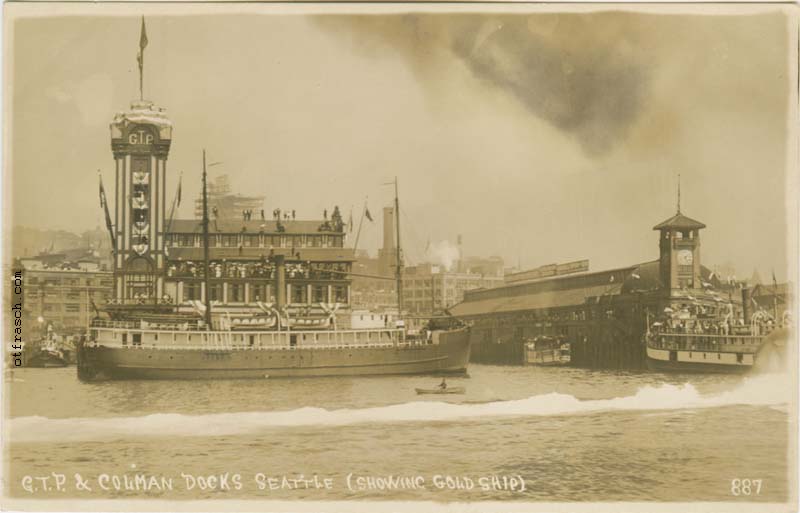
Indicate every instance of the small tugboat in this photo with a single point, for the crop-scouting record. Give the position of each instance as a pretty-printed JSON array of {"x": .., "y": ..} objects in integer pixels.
[
  {"x": 45, "y": 355},
  {"x": 547, "y": 350}
]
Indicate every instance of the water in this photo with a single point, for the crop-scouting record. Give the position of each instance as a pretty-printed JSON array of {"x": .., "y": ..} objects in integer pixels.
[{"x": 566, "y": 434}]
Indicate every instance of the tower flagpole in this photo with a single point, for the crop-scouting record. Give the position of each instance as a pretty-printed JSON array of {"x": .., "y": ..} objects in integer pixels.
[{"x": 140, "y": 58}]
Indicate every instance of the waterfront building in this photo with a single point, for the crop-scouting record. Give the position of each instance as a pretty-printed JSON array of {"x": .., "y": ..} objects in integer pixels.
[
  {"x": 62, "y": 298},
  {"x": 371, "y": 291},
  {"x": 430, "y": 288},
  {"x": 602, "y": 314},
  {"x": 490, "y": 266},
  {"x": 246, "y": 256},
  {"x": 251, "y": 260}
]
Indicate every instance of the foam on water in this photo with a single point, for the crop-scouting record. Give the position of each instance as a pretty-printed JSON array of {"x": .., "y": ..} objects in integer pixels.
[{"x": 765, "y": 390}]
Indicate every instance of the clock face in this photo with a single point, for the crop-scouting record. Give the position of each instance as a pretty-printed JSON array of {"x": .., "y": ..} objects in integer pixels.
[{"x": 685, "y": 257}]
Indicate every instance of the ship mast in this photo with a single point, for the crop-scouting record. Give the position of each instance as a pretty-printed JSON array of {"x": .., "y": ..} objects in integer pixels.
[
  {"x": 398, "y": 273},
  {"x": 205, "y": 247}
]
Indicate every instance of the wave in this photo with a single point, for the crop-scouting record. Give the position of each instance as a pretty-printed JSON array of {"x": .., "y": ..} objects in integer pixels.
[{"x": 764, "y": 390}]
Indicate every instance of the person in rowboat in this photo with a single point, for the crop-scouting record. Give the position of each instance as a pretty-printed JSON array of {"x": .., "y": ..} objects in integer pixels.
[{"x": 443, "y": 384}]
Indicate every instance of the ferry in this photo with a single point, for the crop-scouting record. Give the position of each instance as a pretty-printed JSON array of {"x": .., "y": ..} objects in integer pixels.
[
  {"x": 146, "y": 339},
  {"x": 546, "y": 350},
  {"x": 682, "y": 342}
]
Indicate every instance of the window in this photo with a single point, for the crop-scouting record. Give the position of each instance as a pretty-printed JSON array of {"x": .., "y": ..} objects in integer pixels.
[
  {"x": 235, "y": 293},
  {"x": 191, "y": 291},
  {"x": 299, "y": 294},
  {"x": 257, "y": 293},
  {"x": 71, "y": 307},
  {"x": 320, "y": 294},
  {"x": 185, "y": 240},
  {"x": 215, "y": 292},
  {"x": 340, "y": 294}
]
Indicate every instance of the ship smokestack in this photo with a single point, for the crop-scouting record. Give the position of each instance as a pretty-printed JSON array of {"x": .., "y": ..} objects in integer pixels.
[{"x": 747, "y": 306}]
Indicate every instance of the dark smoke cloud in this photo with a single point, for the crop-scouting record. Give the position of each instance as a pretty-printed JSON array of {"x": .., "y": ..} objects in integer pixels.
[{"x": 583, "y": 73}]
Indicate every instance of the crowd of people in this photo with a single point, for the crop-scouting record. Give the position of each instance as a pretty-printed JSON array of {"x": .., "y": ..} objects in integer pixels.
[
  {"x": 264, "y": 269},
  {"x": 697, "y": 319}
]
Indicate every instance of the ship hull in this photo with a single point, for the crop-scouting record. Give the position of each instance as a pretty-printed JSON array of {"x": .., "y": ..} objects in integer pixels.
[
  {"x": 449, "y": 356},
  {"x": 661, "y": 360}
]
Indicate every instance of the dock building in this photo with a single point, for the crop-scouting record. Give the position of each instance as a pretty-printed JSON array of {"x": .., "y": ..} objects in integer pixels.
[{"x": 602, "y": 314}]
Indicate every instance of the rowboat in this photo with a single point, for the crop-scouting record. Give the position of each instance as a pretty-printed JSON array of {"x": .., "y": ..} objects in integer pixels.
[{"x": 453, "y": 390}]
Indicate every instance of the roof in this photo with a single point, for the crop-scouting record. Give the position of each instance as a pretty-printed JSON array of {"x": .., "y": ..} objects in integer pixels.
[
  {"x": 680, "y": 221},
  {"x": 562, "y": 291},
  {"x": 546, "y": 299},
  {"x": 252, "y": 226},
  {"x": 217, "y": 253},
  {"x": 780, "y": 289}
]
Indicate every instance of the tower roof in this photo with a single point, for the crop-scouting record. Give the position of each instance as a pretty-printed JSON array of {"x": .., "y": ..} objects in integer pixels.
[{"x": 680, "y": 221}]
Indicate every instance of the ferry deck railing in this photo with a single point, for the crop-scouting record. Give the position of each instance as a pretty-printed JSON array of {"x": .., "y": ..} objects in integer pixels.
[
  {"x": 130, "y": 335},
  {"x": 705, "y": 342}
]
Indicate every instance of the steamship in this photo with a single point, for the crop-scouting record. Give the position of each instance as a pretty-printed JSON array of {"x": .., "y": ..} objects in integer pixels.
[
  {"x": 690, "y": 337},
  {"x": 297, "y": 332},
  {"x": 231, "y": 296}
]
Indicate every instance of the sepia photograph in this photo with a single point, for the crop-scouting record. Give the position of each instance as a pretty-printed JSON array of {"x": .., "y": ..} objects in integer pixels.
[{"x": 400, "y": 257}]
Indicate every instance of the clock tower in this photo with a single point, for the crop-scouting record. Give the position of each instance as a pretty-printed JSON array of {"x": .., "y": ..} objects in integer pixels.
[{"x": 679, "y": 256}]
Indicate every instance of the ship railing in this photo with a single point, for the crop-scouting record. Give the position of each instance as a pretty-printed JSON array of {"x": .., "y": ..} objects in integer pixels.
[
  {"x": 255, "y": 340},
  {"x": 705, "y": 342},
  {"x": 143, "y": 325}
]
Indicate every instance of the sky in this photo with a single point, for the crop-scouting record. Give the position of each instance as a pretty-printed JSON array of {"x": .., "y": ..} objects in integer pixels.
[{"x": 540, "y": 137}]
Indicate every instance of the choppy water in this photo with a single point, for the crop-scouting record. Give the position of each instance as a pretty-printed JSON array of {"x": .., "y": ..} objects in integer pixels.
[{"x": 563, "y": 434}]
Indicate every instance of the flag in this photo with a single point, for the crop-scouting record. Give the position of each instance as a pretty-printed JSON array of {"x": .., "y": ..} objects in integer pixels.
[
  {"x": 102, "y": 192},
  {"x": 428, "y": 246},
  {"x": 350, "y": 222},
  {"x": 179, "y": 190},
  {"x": 774, "y": 280},
  {"x": 143, "y": 37},
  {"x": 367, "y": 214},
  {"x": 104, "y": 204},
  {"x": 142, "y": 46}
]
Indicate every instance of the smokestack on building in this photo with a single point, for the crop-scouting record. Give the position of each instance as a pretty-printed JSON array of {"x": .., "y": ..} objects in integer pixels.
[{"x": 387, "y": 254}]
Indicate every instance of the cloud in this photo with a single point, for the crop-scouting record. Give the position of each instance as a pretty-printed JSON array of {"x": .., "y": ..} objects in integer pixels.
[{"x": 582, "y": 73}]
